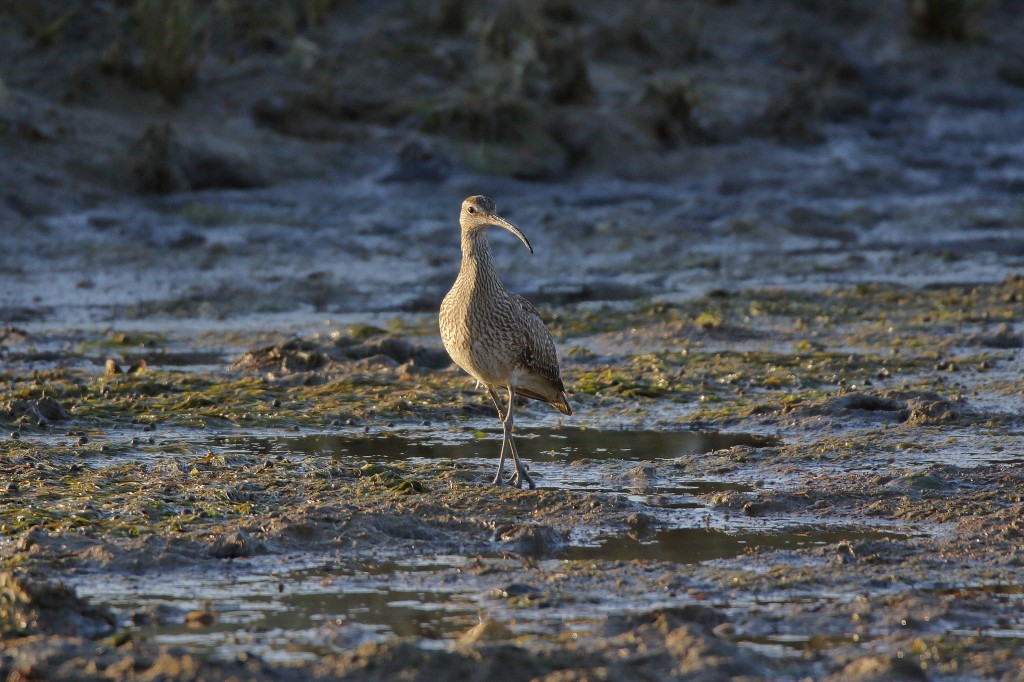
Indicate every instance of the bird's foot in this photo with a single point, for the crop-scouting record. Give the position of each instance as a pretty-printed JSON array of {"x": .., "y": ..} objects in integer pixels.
[
  {"x": 499, "y": 481},
  {"x": 519, "y": 477}
]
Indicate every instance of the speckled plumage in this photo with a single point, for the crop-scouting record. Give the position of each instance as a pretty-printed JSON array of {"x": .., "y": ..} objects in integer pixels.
[{"x": 496, "y": 335}]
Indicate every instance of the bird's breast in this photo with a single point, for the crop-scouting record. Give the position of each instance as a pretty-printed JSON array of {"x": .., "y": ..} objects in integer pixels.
[{"x": 477, "y": 332}]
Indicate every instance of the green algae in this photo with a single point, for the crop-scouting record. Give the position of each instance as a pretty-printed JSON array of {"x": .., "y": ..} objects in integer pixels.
[
  {"x": 873, "y": 307},
  {"x": 799, "y": 354},
  {"x": 822, "y": 341}
]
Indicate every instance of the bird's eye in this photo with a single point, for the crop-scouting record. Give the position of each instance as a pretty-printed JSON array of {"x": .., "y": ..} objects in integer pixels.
[{"x": 471, "y": 209}]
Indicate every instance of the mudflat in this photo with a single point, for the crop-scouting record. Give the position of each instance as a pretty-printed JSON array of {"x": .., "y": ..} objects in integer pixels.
[{"x": 779, "y": 249}]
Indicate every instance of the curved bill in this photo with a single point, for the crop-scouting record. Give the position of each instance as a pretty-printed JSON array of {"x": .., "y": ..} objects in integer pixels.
[{"x": 496, "y": 219}]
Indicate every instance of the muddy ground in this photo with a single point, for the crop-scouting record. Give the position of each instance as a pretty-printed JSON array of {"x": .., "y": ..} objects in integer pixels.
[{"x": 780, "y": 247}]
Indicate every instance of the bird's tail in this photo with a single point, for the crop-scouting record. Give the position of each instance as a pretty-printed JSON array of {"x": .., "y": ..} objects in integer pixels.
[{"x": 561, "y": 403}]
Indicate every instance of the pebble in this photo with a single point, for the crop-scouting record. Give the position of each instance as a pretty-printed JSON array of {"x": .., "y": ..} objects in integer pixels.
[
  {"x": 198, "y": 619},
  {"x": 487, "y": 631},
  {"x": 724, "y": 630}
]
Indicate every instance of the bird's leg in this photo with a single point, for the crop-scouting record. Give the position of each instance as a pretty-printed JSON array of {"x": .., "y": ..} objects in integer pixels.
[
  {"x": 515, "y": 454},
  {"x": 520, "y": 475},
  {"x": 505, "y": 439}
]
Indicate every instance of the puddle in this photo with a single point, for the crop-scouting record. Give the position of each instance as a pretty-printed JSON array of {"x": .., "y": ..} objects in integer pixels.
[
  {"x": 693, "y": 545},
  {"x": 292, "y": 613},
  {"x": 565, "y": 458},
  {"x": 994, "y": 633},
  {"x": 796, "y": 646},
  {"x": 552, "y": 445},
  {"x": 299, "y": 607}
]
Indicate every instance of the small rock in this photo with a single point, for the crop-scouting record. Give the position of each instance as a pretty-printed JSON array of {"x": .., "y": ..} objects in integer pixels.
[
  {"x": 933, "y": 411},
  {"x": 724, "y": 630},
  {"x": 296, "y": 355},
  {"x": 397, "y": 350},
  {"x": 419, "y": 161},
  {"x": 235, "y": 545},
  {"x": 866, "y": 403},
  {"x": 920, "y": 481},
  {"x": 755, "y": 508},
  {"x": 880, "y": 669},
  {"x": 200, "y": 619},
  {"x": 156, "y": 161},
  {"x": 51, "y": 410},
  {"x": 513, "y": 590},
  {"x": 1004, "y": 337},
  {"x": 533, "y": 539},
  {"x": 30, "y": 539},
  {"x": 159, "y": 162},
  {"x": 642, "y": 472},
  {"x": 486, "y": 631},
  {"x": 42, "y": 409},
  {"x": 641, "y": 522},
  {"x": 33, "y": 604}
]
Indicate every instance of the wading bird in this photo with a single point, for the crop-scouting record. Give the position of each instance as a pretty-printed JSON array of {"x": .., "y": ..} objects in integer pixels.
[{"x": 496, "y": 335}]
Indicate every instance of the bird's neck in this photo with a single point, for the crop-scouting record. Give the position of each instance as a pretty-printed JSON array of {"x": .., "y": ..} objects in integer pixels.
[{"x": 476, "y": 255}]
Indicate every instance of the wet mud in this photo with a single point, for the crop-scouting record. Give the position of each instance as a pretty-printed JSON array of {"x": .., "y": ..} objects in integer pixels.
[
  {"x": 785, "y": 280},
  {"x": 724, "y": 512}
]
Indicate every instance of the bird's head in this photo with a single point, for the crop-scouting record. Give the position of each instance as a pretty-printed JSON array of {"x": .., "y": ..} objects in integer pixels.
[{"x": 478, "y": 213}]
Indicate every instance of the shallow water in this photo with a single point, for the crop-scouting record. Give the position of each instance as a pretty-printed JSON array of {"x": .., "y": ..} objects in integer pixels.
[
  {"x": 693, "y": 545},
  {"x": 595, "y": 460},
  {"x": 550, "y": 445},
  {"x": 295, "y": 606},
  {"x": 283, "y": 606}
]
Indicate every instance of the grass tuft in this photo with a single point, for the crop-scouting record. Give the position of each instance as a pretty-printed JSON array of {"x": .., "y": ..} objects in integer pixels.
[
  {"x": 170, "y": 33},
  {"x": 946, "y": 19}
]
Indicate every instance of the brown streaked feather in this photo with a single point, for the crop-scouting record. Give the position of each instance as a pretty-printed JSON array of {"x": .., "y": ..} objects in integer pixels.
[
  {"x": 495, "y": 335},
  {"x": 535, "y": 346},
  {"x": 537, "y": 354},
  {"x": 561, "y": 403}
]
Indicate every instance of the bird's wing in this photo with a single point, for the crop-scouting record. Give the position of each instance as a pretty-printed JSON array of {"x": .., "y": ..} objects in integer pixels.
[{"x": 536, "y": 348}]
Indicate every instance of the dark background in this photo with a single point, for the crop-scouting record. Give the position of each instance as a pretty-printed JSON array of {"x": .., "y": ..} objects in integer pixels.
[{"x": 313, "y": 153}]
